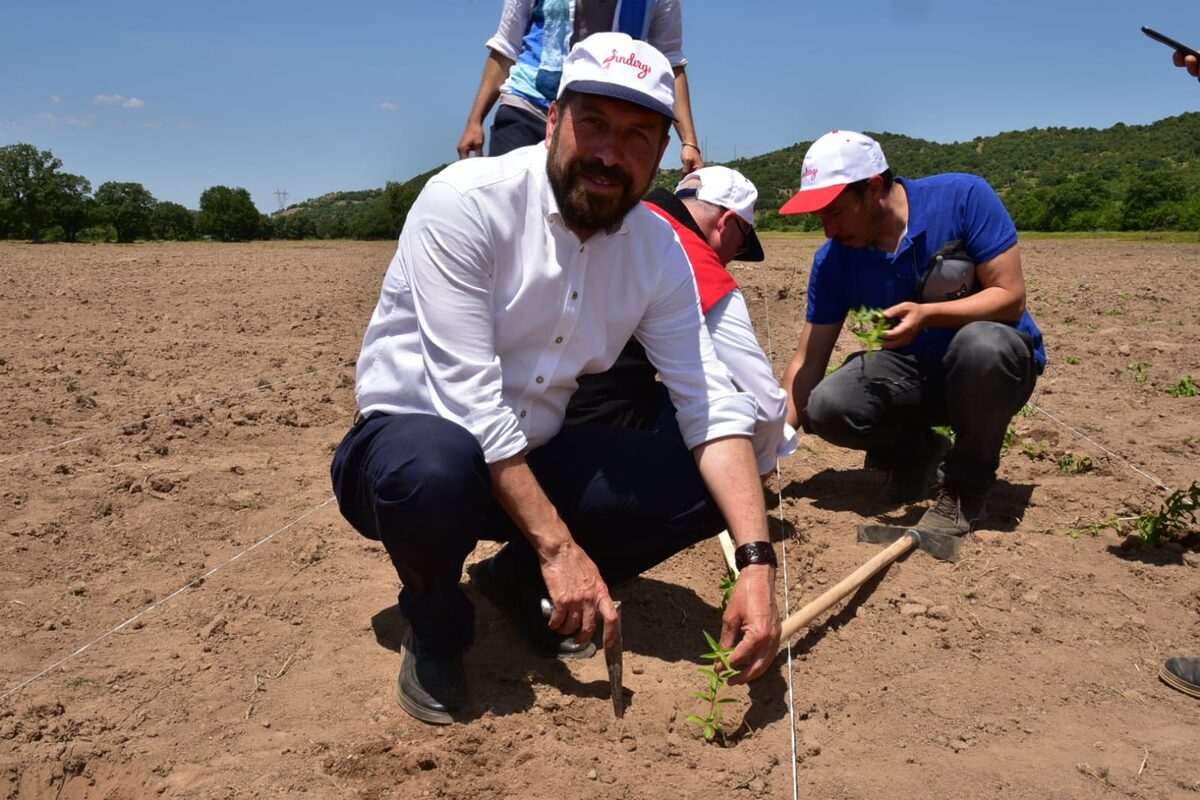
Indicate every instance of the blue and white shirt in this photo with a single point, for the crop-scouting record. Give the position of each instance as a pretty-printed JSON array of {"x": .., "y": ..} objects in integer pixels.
[{"x": 538, "y": 34}]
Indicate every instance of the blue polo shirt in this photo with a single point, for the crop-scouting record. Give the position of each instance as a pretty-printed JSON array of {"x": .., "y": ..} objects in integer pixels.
[{"x": 941, "y": 209}]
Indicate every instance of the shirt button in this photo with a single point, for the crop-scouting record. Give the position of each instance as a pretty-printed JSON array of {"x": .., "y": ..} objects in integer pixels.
[
  {"x": 574, "y": 295},
  {"x": 540, "y": 379},
  {"x": 558, "y": 340},
  {"x": 522, "y": 415}
]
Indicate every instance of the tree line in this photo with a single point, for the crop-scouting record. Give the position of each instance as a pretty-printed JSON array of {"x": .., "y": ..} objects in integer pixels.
[{"x": 1126, "y": 177}]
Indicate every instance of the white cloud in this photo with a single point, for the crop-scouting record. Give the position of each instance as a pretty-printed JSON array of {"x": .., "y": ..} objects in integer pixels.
[
  {"x": 46, "y": 116},
  {"x": 118, "y": 100},
  {"x": 82, "y": 122},
  {"x": 55, "y": 99},
  {"x": 386, "y": 106}
]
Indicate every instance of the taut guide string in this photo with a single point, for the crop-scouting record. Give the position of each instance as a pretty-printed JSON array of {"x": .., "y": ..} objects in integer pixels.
[
  {"x": 171, "y": 596},
  {"x": 786, "y": 605}
]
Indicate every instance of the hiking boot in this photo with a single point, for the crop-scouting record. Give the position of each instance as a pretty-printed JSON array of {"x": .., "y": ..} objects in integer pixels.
[
  {"x": 431, "y": 688},
  {"x": 523, "y": 606},
  {"x": 912, "y": 473},
  {"x": 951, "y": 512},
  {"x": 1182, "y": 674}
]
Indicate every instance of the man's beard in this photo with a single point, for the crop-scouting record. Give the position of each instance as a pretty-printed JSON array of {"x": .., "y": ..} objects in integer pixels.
[{"x": 580, "y": 210}]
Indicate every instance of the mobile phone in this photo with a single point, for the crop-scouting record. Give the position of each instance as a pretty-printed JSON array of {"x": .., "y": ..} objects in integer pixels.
[{"x": 1169, "y": 42}]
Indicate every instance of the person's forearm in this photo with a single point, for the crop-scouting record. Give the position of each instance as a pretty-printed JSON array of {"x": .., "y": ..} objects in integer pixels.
[
  {"x": 993, "y": 303},
  {"x": 730, "y": 472},
  {"x": 495, "y": 72},
  {"x": 517, "y": 490},
  {"x": 684, "y": 124}
]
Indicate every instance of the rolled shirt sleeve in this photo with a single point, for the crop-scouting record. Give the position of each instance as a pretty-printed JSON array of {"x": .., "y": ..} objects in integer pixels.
[
  {"x": 514, "y": 21},
  {"x": 732, "y": 332}
]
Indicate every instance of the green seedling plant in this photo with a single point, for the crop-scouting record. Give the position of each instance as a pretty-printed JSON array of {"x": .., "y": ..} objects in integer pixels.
[
  {"x": 1071, "y": 464},
  {"x": 1034, "y": 451},
  {"x": 726, "y": 586},
  {"x": 1185, "y": 388},
  {"x": 869, "y": 325},
  {"x": 1072, "y": 360},
  {"x": 1179, "y": 512},
  {"x": 718, "y": 676},
  {"x": 1138, "y": 368}
]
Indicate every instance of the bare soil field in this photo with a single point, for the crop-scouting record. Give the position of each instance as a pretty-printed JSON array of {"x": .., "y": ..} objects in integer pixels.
[{"x": 183, "y": 612}]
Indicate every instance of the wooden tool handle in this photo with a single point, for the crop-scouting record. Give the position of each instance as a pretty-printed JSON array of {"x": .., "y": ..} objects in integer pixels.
[{"x": 844, "y": 587}]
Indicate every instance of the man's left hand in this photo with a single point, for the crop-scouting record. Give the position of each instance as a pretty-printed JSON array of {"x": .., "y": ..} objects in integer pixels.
[
  {"x": 908, "y": 319},
  {"x": 751, "y": 622}
]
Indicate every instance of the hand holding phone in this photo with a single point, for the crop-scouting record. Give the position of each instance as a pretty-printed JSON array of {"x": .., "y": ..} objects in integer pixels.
[{"x": 1169, "y": 42}]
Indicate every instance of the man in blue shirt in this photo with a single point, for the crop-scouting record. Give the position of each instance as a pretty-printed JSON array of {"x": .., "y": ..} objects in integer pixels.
[{"x": 939, "y": 256}]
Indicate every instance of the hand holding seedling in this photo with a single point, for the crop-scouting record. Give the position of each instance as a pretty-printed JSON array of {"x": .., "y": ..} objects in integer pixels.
[
  {"x": 750, "y": 624},
  {"x": 907, "y": 320}
]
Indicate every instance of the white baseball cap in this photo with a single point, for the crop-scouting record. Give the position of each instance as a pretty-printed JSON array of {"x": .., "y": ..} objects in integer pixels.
[
  {"x": 730, "y": 189},
  {"x": 834, "y": 161},
  {"x": 617, "y": 65}
]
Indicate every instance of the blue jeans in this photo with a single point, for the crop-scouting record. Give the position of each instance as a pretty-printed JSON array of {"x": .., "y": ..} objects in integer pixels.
[
  {"x": 419, "y": 484},
  {"x": 884, "y": 401}
]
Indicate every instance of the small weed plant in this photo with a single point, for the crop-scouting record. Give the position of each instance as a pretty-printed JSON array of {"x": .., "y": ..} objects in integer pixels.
[
  {"x": 1071, "y": 464},
  {"x": 1138, "y": 368},
  {"x": 869, "y": 325},
  {"x": 1034, "y": 451},
  {"x": 1185, "y": 388},
  {"x": 1179, "y": 512},
  {"x": 718, "y": 676},
  {"x": 1072, "y": 360}
]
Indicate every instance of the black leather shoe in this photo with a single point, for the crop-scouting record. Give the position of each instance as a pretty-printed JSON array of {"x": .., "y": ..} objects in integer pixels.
[
  {"x": 431, "y": 688},
  {"x": 1182, "y": 674},
  {"x": 522, "y": 606}
]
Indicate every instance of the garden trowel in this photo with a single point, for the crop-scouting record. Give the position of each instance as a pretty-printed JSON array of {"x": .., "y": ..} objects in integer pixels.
[{"x": 612, "y": 658}]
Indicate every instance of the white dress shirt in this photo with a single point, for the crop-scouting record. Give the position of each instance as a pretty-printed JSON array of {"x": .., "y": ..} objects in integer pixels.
[
  {"x": 491, "y": 308},
  {"x": 728, "y": 323}
]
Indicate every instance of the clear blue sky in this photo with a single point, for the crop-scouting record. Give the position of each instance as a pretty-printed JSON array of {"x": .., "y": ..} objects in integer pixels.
[{"x": 313, "y": 97}]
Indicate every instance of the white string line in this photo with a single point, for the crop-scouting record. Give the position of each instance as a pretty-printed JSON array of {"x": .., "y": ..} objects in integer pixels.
[
  {"x": 152, "y": 606},
  {"x": 1102, "y": 448},
  {"x": 168, "y": 412},
  {"x": 786, "y": 605}
]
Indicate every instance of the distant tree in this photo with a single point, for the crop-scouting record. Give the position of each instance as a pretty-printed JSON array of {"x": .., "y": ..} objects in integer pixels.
[
  {"x": 171, "y": 222},
  {"x": 296, "y": 225},
  {"x": 33, "y": 193},
  {"x": 1150, "y": 202},
  {"x": 127, "y": 207},
  {"x": 227, "y": 215},
  {"x": 71, "y": 208}
]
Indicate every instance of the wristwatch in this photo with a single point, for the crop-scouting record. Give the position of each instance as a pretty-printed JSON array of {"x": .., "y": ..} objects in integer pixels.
[{"x": 754, "y": 553}]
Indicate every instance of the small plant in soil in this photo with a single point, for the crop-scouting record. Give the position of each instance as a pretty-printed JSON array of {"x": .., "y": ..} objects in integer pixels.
[
  {"x": 1071, "y": 464},
  {"x": 1185, "y": 388},
  {"x": 869, "y": 325},
  {"x": 1138, "y": 368},
  {"x": 1072, "y": 360},
  {"x": 1034, "y": 451},
  {"x": 718, "y": 676},
  {"x": 1178, "y": 513}
]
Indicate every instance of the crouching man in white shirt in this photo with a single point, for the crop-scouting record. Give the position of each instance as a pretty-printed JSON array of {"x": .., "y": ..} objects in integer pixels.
[{"x": 514, "y": 276}]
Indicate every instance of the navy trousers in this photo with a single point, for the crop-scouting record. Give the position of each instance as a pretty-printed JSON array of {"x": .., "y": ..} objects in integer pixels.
[
  {"x": 880, "y": 402},
  {"x": 419, "y": 484},
  {"x": 514, "y": 127}
]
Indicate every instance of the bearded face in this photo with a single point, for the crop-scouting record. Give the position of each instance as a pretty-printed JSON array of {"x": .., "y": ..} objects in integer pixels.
[{"x": 602, "y": 159}]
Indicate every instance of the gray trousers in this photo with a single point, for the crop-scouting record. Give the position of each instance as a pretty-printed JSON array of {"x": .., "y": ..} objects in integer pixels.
[{"x": 885, "y": 402}]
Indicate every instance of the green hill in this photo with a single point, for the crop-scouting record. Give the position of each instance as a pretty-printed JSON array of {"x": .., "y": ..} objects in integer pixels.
[{"x": 1127, "y": 177}]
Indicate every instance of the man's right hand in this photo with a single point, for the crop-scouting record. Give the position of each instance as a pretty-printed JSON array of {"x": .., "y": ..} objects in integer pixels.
[
  {"x": 471, "y": 141},
  {"x": 578, "y": 594}
]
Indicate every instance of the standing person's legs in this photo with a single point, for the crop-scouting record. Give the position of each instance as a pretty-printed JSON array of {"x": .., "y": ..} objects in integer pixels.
[{"x": 514, "y": 127}]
